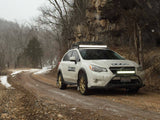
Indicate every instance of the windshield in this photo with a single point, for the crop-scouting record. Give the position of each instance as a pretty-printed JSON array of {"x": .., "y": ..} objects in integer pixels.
[{"x": 99, "y": 54}]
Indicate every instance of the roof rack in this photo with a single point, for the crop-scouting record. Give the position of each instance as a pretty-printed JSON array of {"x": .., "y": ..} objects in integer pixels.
[{"x": 83, "y": 44}]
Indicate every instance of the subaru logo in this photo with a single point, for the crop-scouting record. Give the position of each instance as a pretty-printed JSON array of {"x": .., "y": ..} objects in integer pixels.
[{"x": 120, "y": 64}]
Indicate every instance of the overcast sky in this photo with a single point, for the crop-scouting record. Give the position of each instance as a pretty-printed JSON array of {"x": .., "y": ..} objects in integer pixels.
[{"x": 20, "y": 10}]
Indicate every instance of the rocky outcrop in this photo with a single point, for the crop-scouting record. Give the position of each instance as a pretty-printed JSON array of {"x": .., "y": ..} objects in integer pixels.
[{"x": 115, "y": 22}]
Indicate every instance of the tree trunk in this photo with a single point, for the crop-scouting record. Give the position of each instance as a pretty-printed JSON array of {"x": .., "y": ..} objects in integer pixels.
[
  {"x": 136, "y": 43},
  {"x": 141, "y": 56}
]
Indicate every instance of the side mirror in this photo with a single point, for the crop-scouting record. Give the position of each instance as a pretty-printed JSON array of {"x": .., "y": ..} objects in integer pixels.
[{"x": 73, "y": 59}]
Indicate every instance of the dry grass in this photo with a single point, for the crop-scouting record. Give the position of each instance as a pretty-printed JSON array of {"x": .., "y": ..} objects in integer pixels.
[
  {"x": 151, "y": 64},
  {"x": 152, "y": 68},
  {"x": 4, "y": 72}
]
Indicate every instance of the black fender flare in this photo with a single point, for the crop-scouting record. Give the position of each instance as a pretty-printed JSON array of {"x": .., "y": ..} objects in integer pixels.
[
  {"x": 59, "y": 71},
  {"x": 83, "y": 71}
]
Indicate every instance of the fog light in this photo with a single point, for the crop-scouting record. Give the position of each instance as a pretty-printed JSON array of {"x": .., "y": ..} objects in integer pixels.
[
  {"x": 116, "y": 78},
  {"x": 134, "y": 77},
  {"x": 96, "y": 80}
]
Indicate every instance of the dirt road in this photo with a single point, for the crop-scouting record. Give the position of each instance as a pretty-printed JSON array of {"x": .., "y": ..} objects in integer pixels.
[{"x": 115, "y": 104}]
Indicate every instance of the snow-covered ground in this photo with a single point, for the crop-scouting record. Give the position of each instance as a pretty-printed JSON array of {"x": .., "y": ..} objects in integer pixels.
[
  {"x": 35, "y": 71},
  {"x": 15, "y": 72},
  {"x": 3, "y": 81},
  {"x": 43, "y": 70}
]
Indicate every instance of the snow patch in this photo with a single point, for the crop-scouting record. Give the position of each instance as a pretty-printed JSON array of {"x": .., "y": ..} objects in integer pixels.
[
  {"x": 35, "y": 71},
  {"x": 3, "y": 81},
  {"x": 15, "y": 72},
  {"x": 73, "y": 109},
  {"x": 44, "y": 70}
]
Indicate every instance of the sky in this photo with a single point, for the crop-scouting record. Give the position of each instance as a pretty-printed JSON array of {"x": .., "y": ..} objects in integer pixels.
[{"x": 20, "y": 11}]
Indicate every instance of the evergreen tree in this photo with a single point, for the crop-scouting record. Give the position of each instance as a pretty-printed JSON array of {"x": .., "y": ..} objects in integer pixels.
[{"x": 34, "y": 52}]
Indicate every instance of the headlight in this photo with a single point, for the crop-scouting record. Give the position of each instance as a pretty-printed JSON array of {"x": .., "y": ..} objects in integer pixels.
[
  {"x": 139, "y": 68},
  {"x": 97, "y": 68}
]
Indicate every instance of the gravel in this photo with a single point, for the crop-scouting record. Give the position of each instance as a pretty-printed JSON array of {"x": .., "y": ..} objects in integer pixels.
[{"x": 20, "y": 104}]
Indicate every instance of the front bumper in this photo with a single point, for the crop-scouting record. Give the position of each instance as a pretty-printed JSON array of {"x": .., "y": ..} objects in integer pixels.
[{"x": 134, "y": 81}]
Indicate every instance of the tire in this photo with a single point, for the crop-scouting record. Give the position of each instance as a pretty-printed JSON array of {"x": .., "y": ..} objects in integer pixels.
[
  {"x": 60, "y": 82},
  {"x": 83, "y": 84},
  {"x": 132, "y": 90}
]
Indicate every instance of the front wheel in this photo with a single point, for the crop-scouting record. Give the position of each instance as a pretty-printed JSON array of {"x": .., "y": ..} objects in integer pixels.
[
  {"x": 82, "y": 84},
  {"x": 60, "y": 82}
]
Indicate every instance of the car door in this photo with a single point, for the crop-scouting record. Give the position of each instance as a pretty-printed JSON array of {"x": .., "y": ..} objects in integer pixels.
[
  {"x": 74, "y": 67},
  {"x": 65, "y": 65}
]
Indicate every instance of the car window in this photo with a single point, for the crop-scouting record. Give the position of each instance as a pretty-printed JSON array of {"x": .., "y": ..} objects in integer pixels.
[
  {"x": 67, "y": 56},
  {"x": 99, "y": 54},
  {"x": 75, "y": 54}
]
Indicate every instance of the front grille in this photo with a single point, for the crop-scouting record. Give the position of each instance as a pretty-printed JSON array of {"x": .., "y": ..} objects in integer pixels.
[
  {"x": 119, "y": 82},
  {"x": 115, "y": 69}
]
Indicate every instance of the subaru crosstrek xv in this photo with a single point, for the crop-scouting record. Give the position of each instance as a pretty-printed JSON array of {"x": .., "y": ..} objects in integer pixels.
[{"x": 96, "y": 66}]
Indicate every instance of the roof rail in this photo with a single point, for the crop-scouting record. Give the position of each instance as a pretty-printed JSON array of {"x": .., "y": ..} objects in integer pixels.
[{"x": 76, "y": 45}]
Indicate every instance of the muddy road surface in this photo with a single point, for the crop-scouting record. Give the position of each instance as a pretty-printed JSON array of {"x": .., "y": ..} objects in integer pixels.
[{"x": 112, "y": 104}]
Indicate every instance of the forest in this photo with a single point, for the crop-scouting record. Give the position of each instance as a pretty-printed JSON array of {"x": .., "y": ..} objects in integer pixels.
[{"x": 130, "y": 27}]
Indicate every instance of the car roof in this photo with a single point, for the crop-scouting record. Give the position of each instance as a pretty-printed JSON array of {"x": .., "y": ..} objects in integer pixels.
[{"x": 88, "y": 45}]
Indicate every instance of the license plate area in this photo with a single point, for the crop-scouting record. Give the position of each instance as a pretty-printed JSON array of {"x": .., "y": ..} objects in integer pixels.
[{"x": 125, "y": 79}]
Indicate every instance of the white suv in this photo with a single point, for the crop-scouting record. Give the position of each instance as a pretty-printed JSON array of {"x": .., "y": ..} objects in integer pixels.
[{"x": 96, "y": 66}]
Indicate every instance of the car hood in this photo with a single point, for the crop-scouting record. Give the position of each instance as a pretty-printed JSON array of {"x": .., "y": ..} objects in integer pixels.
[{"x": 112, "y": 63}]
